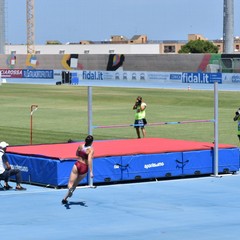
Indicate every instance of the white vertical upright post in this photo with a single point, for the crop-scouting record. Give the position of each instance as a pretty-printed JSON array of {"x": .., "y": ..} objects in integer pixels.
[
  {"x": 89, "y": 110},
  {"x": 90, "y": 180},
  {"x": 216, "y": 128}
]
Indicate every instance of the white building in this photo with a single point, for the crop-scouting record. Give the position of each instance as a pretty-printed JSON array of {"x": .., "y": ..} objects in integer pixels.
[{"x": 87, "y": 49}]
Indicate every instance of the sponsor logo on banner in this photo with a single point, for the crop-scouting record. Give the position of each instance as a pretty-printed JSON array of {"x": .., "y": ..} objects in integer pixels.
[
  {"x": 92, "y": 75},
  {"x": 11, "y": 73},
  {"x": 175, "y": 76},
  {"x": 154, "y": 165},
  {"x": 21, "y": 168},
  {"x": 190, "y": 77},
  {"x": 236, "y": 78},
  {"x": 116, "y": 166},
  {"x": 46, "y": 74},
  {"x": 158, "y": 76},
  {"x": 134, "y": 76},
  {"x": 142, "y": 76}
]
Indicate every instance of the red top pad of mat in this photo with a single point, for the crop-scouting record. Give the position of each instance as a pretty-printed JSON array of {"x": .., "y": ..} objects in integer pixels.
[{"x": 115, "y": 147}]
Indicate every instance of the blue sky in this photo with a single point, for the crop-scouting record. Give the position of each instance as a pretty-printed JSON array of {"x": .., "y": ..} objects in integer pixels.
[{"x": 97, "y": 20}]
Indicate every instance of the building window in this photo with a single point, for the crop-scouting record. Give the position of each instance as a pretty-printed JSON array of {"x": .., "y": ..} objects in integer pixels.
[
  {"x": 61, "y": 51},
  {"x": 237, "y": 47},
  {"x": 169, "y": 49},
  {"x": 13, "y": 52},
  {"x": 86, "y": 51},
  {"x": 37, "y": 52},
  {"x": 111, "y": 51}
]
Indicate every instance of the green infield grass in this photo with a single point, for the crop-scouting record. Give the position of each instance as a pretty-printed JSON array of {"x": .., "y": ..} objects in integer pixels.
[{"x": 63, "y": 113}]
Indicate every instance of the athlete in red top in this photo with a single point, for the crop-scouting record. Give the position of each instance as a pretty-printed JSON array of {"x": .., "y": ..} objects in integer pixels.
[{"x": 80, "y": 168}]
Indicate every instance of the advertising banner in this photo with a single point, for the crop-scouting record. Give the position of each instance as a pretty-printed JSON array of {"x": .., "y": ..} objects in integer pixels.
[
  {"x": 11, "y": 73},
  {"x": 231, "y": 78},
  {"x": 153, "y": 77},
  {"x": 121, "y": 78},
  {"x": 45, "y": 74},
  {"x": 128, "y": 76},
  {"x": 200, "y": 77}
]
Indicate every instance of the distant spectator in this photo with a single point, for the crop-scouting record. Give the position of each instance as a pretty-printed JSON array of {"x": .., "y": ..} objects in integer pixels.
[{"x": 237, "y": 118}]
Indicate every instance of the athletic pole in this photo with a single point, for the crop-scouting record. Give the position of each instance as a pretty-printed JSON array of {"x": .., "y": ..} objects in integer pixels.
[{"x": 33, "y": 109}]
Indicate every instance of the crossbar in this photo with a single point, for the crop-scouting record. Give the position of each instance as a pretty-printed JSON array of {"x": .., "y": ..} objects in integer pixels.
[{"x": 154, "y": 124}]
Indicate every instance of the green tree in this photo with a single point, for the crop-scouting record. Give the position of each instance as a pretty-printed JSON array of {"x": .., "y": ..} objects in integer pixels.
[{"x": 199, "y": 46}]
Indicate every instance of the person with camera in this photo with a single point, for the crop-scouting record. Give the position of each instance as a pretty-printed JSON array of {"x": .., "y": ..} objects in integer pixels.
[
  {"x": 237, "y": 118},
  {"x": 140, "y": 116}
]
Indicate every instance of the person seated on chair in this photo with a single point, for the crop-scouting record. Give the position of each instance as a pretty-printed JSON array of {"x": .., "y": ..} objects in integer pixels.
[{"x": 6, "y": 171}]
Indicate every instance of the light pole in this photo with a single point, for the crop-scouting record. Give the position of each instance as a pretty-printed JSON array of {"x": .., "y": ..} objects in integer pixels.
[{"x": 228, "y": 26}]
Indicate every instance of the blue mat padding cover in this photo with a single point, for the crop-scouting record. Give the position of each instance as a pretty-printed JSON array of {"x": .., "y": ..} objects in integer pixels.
[{"x": 54, "y": 172}]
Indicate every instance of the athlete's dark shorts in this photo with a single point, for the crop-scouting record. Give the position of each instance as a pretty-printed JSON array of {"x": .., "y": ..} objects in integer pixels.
[{"x": 140, "y": 123}]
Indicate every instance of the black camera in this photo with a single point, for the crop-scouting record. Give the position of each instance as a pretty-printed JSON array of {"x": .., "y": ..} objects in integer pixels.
[{"x": 139, "y": 100}]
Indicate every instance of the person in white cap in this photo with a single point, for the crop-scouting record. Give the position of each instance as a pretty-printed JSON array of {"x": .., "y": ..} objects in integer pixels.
[{"x": 6, "y": 171}]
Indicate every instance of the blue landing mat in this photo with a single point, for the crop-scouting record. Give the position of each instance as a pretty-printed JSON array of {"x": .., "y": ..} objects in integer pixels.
[
  {"x": 54, "y": 172},
  {"x": 199, "y": 209}
]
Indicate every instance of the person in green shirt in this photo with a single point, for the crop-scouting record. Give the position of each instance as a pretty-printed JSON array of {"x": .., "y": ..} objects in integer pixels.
[
  {"x": 140, "y": 116},
  {"x": 237, "y": 118}
]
